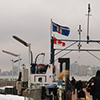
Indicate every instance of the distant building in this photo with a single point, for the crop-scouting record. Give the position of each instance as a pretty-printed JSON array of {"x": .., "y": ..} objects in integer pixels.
[
  {"x": 9, "y": 73},
  {"x": 5, "y": 73},
  {"x": 15, "y": 70},
  {"x": 82, "y": 70},
  {"x": 74, "y": 68}
]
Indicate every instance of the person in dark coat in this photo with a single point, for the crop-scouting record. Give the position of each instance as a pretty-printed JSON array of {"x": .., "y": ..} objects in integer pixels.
[
  {"x": 95, "y": 88},
  {"x": 70, "y": 87},
  {"x": 80, "y": 92},
  {"x": 79, "y": 85},
  {"x": 73, "y": 82}
]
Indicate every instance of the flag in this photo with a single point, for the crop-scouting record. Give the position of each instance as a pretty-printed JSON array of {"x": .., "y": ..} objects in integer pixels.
[
  {"x": 60, "y": 29},
  {"x": 59, "y": 42}
]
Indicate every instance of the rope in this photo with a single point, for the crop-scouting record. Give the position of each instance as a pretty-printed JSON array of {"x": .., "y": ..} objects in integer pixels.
[{"x": 93, "y": 55}]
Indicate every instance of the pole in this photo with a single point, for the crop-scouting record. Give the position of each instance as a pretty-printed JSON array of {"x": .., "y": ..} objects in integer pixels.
[
  {"x": 67, "y": 79},
  {"x": 51, "y": 28},
  {"x": 67, "y": 61},
  {"x": 79, "y": 45},
  {"x": 12, "y": 69},
  {"x": 52, "y": 45},
  {"x": 18, "y": 64},
  {"x": 29, "y": 66},
  {"x": 29, "y": 78},
  {"x": 52, "y": 51},
  {"x": 88, "y": 23}
]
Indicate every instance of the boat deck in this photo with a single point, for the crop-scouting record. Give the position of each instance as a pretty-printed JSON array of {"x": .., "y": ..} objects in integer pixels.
[{"x": 88, "y": 96}]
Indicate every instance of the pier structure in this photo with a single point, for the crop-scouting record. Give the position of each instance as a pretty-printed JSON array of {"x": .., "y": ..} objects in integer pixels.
[{"x": 80, "y": 49}]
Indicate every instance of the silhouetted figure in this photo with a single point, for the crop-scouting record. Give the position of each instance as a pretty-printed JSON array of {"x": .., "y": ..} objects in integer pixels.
[
  {"x": 20, "y": 75},
  {"x": 80, "y": 92},
  {"x": 70, "y": 87},
  {"x": 73, "y": 82},
  {"x": 79, "y": 85},
  {"x": 95, "y": 86},
  {"x": 40, "y": 79}
]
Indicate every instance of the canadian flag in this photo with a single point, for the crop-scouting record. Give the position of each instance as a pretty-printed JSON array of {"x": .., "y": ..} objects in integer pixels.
[{"x": 59, "y": 42}]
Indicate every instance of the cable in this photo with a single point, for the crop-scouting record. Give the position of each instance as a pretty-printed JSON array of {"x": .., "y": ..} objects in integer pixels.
[
  {"x": 93, "y": 55},
  {"x": 65, "y": 48},
  {"x": 77, "y": 25},
  {"x": 96, "y": 22}
]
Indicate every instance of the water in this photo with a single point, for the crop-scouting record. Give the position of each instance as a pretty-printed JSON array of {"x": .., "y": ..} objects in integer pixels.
[
  {"x": 82, "y": 78},
  {"x": 8, "y": 78}
]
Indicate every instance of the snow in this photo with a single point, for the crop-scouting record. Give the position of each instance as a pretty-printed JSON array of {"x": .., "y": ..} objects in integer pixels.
[
  {"x": 6, "y": 87},
  {"x": 12, "y": 97}
]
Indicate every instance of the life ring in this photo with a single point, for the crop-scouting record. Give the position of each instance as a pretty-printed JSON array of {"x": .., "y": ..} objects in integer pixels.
[{"x": 41, "y": 65}]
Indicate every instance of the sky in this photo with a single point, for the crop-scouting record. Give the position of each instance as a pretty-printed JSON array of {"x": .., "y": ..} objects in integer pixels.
[{"x": 30, "y": 20}]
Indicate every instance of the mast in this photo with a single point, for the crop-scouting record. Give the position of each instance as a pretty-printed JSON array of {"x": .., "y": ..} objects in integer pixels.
[
  {"x": 52, "y": 45},
  {"x": 79, "y": 45},
  {"x": 88, "y": 23},
  {"x": 52, "y": 51}
]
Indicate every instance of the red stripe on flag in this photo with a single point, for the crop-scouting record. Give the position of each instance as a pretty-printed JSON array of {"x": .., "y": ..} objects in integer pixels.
[
  {"x": 59, "y": 42},
  {"x": 55, "y": 41},
  {"x": 63, "y": 44}
]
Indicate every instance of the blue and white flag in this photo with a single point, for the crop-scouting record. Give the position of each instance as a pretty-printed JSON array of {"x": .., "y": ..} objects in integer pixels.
[{"x": 60, "y": 29}]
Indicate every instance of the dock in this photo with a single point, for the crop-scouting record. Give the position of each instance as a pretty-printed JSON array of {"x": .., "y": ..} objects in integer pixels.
[{"x": 74, "y": 96}]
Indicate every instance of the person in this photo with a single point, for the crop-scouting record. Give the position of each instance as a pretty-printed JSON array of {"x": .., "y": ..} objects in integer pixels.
[
  {"x": 70, "y": 88},
  {"x": 79, "y": 85},
  {"x": 80, "y": 92},
  {"x": 95, "y": 88},
  {"x": 40, "y": 79},
  {"x": 20, "y": 75},
  {"x": 73, "y": 82}
]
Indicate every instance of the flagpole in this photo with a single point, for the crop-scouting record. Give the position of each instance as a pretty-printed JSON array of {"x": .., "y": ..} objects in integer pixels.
[
  {"x": 88, "y": 24},
  {"x": 51, "y": 28},
  {"x": 50, "y": 40},
  {"x": 52, "y": 45}
]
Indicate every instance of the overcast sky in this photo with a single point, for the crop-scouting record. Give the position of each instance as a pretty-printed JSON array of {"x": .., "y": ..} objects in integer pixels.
[{"x": 30, "y": 21}]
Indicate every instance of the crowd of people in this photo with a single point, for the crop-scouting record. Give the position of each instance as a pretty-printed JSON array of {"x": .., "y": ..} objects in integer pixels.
[
  {"x": 93, "y": 84},
  {"x": 73, "y": 84}
]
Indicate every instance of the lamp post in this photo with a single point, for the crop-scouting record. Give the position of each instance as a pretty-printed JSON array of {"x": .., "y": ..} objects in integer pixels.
[
  {"x": 12, "y": 69},
  {"x": 13, "y": 66},
  {"x": 29, "y": 46},
  {"x": 16, "y": 55}
]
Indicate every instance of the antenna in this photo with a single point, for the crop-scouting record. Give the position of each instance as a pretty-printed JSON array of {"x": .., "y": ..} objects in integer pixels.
[
  {"x": 79, "y": 45},
  {"x": 88, "y": 24}
]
